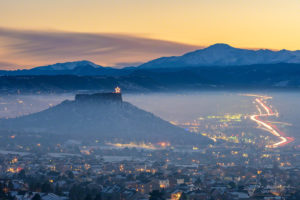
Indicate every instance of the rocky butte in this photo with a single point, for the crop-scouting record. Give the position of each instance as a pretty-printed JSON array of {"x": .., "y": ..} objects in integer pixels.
[
  {"x": 102, "y": 116},
  {"x": 101, "y": 97}
]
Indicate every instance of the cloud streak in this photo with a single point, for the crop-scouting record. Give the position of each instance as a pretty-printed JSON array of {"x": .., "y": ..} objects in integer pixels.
[
  {"x": 7, "y": 65},
  {"x": 31, "y": 48}
]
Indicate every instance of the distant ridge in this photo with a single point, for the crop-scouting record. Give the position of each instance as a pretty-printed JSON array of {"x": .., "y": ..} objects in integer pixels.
[
  {"x": 265, "y": 76},
  {"x": 69, "y": 65},
  {"x": 78, "y": 68}
]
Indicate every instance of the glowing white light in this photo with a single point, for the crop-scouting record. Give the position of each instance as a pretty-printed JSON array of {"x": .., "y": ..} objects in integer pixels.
[
  {"x": 117, "y": 90},
  {"x": 266, "y": 126}
]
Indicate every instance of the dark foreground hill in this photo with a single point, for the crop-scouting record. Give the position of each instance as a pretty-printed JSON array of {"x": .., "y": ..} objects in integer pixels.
[{"x": 105, "y": 119}]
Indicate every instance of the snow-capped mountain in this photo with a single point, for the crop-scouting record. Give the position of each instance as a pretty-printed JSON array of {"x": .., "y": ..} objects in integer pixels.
[{"x": 225, "y": 55}]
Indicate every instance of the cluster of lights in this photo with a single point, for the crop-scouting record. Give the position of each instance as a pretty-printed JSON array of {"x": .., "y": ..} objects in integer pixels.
[
  {"x": 14, "y": 170},
  {"x": 133, "y": 145}
]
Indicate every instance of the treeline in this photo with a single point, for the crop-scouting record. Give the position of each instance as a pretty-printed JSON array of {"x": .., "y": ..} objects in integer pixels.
[{"x": 188, "y": 78}]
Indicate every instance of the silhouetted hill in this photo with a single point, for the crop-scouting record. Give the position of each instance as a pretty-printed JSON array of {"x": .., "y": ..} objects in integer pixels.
[{"x": 102, "y": 117}]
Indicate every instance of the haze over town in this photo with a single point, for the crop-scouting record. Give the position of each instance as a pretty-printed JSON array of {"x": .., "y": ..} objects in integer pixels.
[{"x": 158, "y": 100}]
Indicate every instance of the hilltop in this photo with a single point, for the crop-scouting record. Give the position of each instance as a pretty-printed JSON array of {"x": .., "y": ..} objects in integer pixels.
[{"x": 103, "y": 116}]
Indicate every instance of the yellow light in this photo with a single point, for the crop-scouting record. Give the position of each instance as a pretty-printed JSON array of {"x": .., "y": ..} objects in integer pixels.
[
  {"x": 164, "y": 144},
  {"x": 12, "y": 170},
  {"x": 259, "y": 172},
  {"x": 176, "y": 196},
  {"x": 245, "y": 155},
  {"x": 132, "y": 144},
  {"x": 117, "y": 90},
  {"x": 14, "y": 160}
]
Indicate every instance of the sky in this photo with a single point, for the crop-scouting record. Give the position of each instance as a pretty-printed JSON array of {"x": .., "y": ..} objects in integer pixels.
[{"x": 128, "y": 32}]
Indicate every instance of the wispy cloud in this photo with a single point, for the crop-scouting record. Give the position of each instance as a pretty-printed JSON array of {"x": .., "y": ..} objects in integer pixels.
[
  {"x": 7, "y": 65},
  {"x": 30, "y": 48}
]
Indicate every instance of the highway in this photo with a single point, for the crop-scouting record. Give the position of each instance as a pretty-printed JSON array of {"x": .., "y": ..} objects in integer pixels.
[{"x": 282, "y": 138}]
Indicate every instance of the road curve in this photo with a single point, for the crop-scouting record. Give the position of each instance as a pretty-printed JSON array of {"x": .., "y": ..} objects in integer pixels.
[{"x": 283, "y": 140}]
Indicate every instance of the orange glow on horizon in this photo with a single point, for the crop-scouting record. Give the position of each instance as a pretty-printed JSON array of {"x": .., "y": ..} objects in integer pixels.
[{"x": 244, "y": 24}]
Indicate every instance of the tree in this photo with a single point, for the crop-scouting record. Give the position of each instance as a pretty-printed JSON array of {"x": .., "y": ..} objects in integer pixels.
[
  {"x": 10, "y": 197},
  {"x": 37, "y": 196},
  {"x": 2, "y": 194},
  {"x": 232, "y": 185},
  {"x": 88, "y": 197},
  {"x": 156, "y": 195},
  {"x": 57, "y": 190},
  {"x": 295, "y": 196},
  {"x": 46, "y": 187},
  {"x": 183, "y": 196},
  {"x": 10, "y": 185},
  {"x": 98, "y": 196},
  {"x": 70, "y": 174},
  {"x": 198, "y": 182},
  {"x": 22, "y": 174},
  {"x": 77, "y": 192}
]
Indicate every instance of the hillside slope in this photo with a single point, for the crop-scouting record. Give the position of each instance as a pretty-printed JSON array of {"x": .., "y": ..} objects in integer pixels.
[{"x": 104, "y": 120}]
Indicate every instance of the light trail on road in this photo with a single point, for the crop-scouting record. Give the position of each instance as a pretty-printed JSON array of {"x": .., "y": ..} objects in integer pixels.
[{"x": 283, "y": 140}]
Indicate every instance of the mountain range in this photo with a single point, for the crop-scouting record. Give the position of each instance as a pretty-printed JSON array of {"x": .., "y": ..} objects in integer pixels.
[
  {"x": 225, "y": 55},
  {"x": 217, "y": 66},
  {"x": 214, "y": 55}
]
